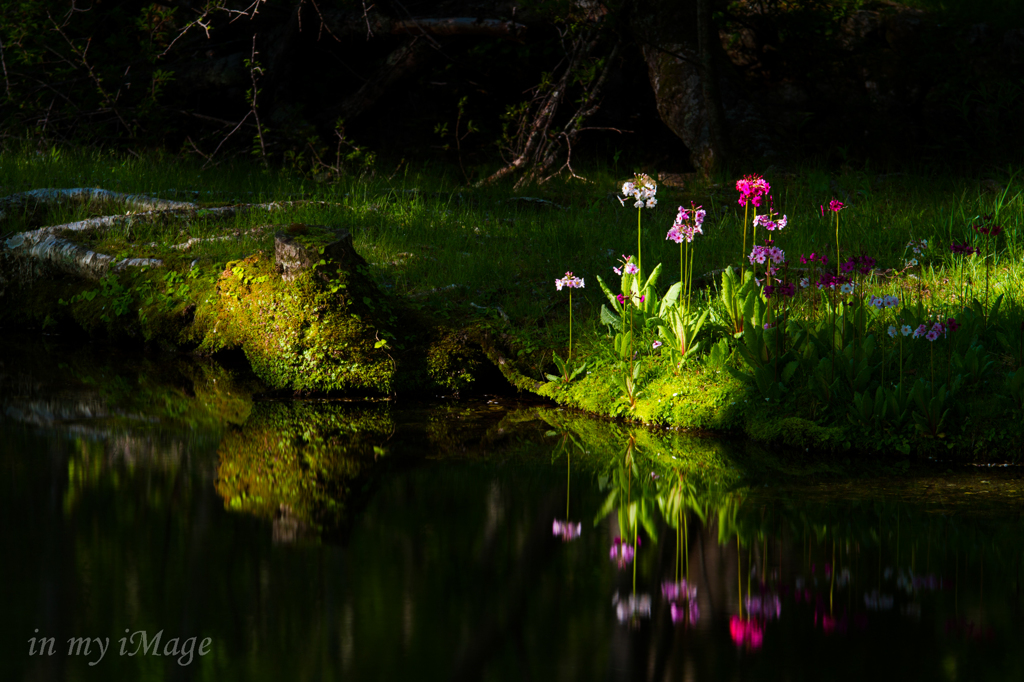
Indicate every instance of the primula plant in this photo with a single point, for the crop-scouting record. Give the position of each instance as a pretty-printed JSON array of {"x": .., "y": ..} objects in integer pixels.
[{"x": 568, "y": 369}]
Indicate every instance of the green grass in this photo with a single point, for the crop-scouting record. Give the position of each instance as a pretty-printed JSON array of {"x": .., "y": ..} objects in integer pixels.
[{"x": 489, "y": 255}]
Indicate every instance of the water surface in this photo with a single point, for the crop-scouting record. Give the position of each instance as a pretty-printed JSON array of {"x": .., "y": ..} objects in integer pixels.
[{"x": 367, "y": 541}]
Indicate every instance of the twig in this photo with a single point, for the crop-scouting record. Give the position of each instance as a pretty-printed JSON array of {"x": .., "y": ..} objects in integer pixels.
[
  {"x": 7, "y": 81},
  {"x": 244, "y": 119},
  {"x": 366, "y": 18},
  {"x": 253, "y": 68}
]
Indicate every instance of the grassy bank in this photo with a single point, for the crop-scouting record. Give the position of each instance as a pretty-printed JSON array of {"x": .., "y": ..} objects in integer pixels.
[{"x": 815, "y": 369}]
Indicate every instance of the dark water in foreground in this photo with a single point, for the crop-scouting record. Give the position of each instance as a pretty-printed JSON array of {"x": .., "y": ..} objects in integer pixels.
[{"x": 336, "y": 541}]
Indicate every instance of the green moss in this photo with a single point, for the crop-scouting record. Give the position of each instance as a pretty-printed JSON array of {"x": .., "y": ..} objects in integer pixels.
[{"x": 317, "y": 333}]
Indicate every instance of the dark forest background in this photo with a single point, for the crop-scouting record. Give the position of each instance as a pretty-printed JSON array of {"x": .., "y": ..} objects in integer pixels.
[{"x": 505, "y": 88}]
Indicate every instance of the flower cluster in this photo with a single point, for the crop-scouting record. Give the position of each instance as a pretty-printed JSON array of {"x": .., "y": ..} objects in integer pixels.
[
  {"x": 751, "y": 189},
  {"x": 830, "y": 281},
  {"x": 766, "y": 221},
  {"x": 767, "y": 252},
  {"x": 622, "y": 298},
  {"x": 567, "y": 530},
  {"x": 918, "y": 247},
  {"x": 861, "y": 264},
  {"x": 569, "y": 281},
  {"x": 683, "y": 601},
  {"x": 987, "y": 228},
  {"x": 687, "y": 224},
  {"x": 787, "y": 289},
  {"x": 628, "y": 266},
  {"x": 882, "y": 302},
  {"x": 813, "y": 257},
  {"x": 622, "y": 552},
  {"x": 937, "y": 329},
  {"x": 835, "y": 206},
  {"x": 642, "y": 189},
  {"x": 963, "y": 248}
]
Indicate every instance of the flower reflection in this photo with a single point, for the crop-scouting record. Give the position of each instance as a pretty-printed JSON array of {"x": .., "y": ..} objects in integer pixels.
[
  {"x": 748, "y": 633},
  {"x": 765, "y": 606},
  {"x": 567, "y": 530},
  {"x": 632, "y": 608},
  {"x": 621, "y": 552},
  {"x": 683, "y": 601},
  {"x": 875, "y": 601}
]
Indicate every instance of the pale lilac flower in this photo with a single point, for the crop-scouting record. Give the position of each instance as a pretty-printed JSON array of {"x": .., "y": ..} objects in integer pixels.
[
  {"x": 891, "y": 301},
  {"x": 892, "y": 331},
  {"x": 656, "y": 344},
  {"x": 631, "y": 268},
  {"x": 642, "y": 190},
  {"x": 776, "y": 254},
  {"x": 617, "y": 271},
  {"x": 675, "y": 234},
  {"x": 920, "y": 331},
  {"x": 804, "y": 282},
  {"x": 569, "y": 281},
  {"x": 905, "y": 330},
  {"x": 847, "y": 288},
  {"x": 635, "y": 606},
  {"x": 766, "y": 606},
  {"x": 567, "y": 530},
  {"x": 912, "y": 263},
  {"x": 932, "y": 335}
]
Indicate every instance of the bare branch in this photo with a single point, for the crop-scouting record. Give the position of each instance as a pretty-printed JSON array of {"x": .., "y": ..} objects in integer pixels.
[{"x": 458, "y": 26}]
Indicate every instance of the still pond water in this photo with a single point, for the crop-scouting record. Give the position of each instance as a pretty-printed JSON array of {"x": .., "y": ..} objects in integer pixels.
[{"x": 475, "y": 540}]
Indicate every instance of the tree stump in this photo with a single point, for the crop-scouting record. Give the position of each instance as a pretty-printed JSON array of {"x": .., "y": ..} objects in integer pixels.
[{"x": 301, "y": 247}]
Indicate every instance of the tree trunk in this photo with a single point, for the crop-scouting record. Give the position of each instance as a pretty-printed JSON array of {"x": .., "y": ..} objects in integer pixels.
[{"x": 669, "y": 33}]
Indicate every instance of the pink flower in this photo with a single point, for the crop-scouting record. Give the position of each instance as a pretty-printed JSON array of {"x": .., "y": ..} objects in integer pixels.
[
  {"x": 836, "y": 206},
  {"x": 920, "y": 331},
  {"x": 569, "y": 281},
  {"x": 656, "y": 344}
]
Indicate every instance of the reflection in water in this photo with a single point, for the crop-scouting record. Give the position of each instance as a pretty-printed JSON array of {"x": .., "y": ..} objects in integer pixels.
[{"x": 469, "y": 542}]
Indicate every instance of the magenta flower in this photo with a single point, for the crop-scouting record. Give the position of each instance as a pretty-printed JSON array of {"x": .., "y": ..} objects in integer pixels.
[
  {"x": 836, "y": 206},
  {"x": 952, "y": 325},
  {"x": 567, "y": 530},
  {"x": 963, "y": 248},
  {"x": 621, "y": 298},
  {"x": 920, "y": 331},
  {"x": 569, "y": 281},
  {"x": 747, "y": 633},
  {"x": 751, "y": 189},
  {"x": 932, "y": 335}
]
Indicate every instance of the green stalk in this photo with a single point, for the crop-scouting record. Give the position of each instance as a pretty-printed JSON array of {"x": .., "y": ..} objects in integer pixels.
[{"x": 639, "y": 255}]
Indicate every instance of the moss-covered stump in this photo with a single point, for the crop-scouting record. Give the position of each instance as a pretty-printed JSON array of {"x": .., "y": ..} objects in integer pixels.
[{"x": 309, "y": 319}]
